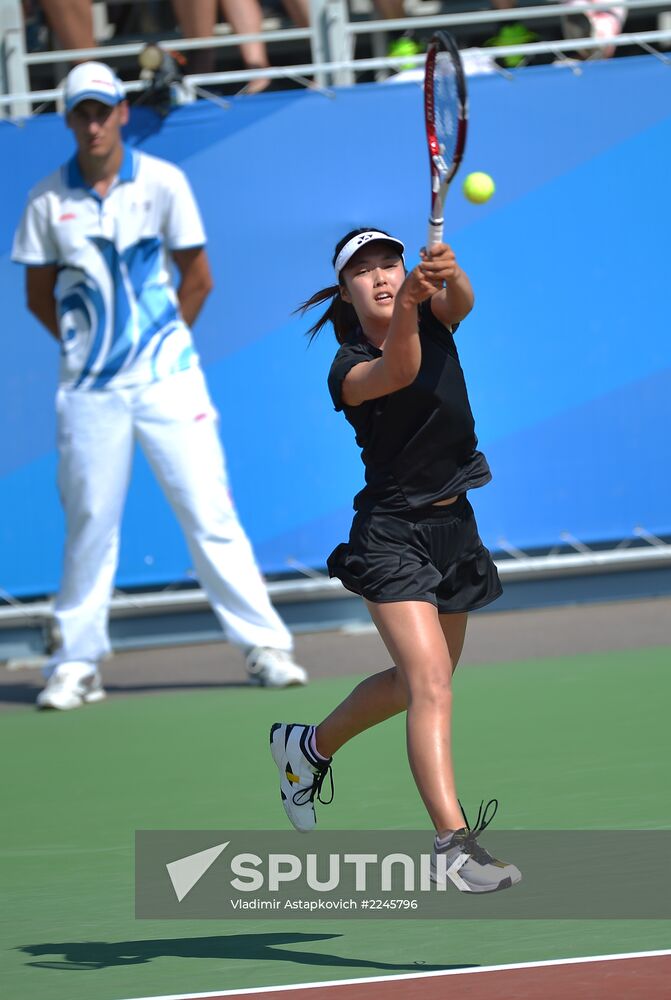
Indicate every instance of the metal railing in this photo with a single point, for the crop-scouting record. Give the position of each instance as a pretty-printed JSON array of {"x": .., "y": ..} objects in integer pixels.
[{"x": 331, "y": 38}]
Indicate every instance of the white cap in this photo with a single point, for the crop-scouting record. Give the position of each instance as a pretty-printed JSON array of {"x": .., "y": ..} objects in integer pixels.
[
  {"x": 360, "y": 240},
  {"x": 92, "y": 81}
]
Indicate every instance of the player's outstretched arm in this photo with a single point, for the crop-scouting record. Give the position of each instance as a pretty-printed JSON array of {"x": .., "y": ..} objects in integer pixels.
[
  {"x": 399, "y": 365},
  {"x": 40, "y": 298},
  {"x": 455, "y": 299}
]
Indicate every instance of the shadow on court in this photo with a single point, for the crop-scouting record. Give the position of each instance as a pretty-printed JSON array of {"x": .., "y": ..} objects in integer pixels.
[
  {"x": 92, "y": 955},
  {"x": 25, "y": 693}
]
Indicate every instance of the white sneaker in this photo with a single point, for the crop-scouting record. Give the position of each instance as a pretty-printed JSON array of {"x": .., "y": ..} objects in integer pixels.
[
  {"x": 274, "y": 668},
  {"x": 301, "y": 774},
  {"x": 70, "y": 685}
]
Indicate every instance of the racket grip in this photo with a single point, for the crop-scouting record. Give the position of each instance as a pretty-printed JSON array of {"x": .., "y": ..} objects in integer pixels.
[{"x": 435, "y": 233}]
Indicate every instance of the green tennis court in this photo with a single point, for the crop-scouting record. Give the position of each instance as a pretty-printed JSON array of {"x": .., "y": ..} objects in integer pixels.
[{"x": 579, "y": 742}]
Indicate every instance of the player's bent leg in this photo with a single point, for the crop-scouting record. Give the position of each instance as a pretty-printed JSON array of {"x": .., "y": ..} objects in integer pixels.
[
  {"x": 374, "y": 700},
  {"x": 303, "y": 754},
  {"x": 177, "y": 429}
]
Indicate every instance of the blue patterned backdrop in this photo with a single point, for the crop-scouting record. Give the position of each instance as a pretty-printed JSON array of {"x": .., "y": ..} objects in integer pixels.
[{"x": 566, "y": 354}]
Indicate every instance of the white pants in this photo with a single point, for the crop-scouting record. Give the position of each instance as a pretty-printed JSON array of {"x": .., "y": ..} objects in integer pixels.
[{"x": 176, "y": 426}]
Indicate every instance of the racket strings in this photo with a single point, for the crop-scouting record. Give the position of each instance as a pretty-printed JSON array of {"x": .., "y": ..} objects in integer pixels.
[{"x": 446, "y": 106}]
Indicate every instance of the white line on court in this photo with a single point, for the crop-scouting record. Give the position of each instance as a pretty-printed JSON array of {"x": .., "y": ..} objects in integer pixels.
[{"x": 411, "y": 975}]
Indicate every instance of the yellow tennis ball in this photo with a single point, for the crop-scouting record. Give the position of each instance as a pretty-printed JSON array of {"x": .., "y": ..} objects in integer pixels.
[{"x": 479, "y": 187}]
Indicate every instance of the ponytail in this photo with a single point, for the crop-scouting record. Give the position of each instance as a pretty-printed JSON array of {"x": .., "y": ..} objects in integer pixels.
[{"x": 340, "y": 313}]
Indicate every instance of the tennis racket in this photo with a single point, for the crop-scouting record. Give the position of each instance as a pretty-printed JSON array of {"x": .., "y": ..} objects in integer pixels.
[{"x": 446, "y": 117}]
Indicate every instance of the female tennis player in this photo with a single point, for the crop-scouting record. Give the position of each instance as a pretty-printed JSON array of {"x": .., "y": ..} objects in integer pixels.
[{"x": 414, "y": 553}]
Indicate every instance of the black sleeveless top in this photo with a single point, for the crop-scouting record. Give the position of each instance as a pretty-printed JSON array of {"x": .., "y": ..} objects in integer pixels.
[{"x": 418, "y": 444}]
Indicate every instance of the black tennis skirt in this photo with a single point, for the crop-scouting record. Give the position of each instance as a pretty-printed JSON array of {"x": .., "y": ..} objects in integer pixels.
[{"x": 432, "y": 554}]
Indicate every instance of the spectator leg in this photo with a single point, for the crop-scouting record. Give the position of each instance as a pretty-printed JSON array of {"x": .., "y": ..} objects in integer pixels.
[
  {"x": 390, "y": 8},
  {"x": 72, "y": 22},
  {"x": 197, "y": 20},
  {"x": 298, "y": 11},
  {"x": 245, "y": 18}
]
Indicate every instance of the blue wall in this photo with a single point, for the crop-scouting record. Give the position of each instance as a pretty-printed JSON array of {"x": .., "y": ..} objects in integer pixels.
[{"x": 567, "y": 352}]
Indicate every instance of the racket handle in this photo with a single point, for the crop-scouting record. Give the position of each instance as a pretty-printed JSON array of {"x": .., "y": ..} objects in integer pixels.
[{"x": 435, "y": 233}]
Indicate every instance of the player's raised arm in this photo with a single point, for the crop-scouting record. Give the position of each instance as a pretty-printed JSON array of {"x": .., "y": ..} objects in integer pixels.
[
  {"x": 455, "y": 298},
  {"x": 402, "y": 354}
]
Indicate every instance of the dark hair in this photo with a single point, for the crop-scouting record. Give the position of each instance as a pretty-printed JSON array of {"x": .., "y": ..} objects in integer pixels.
[{"x": 340, "y": 313}]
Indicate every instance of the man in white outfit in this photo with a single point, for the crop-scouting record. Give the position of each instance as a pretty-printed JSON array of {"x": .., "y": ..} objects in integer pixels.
[{"x": 98, "y": 237}]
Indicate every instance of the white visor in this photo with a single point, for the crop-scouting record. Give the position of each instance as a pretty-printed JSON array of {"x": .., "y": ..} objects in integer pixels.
[{"x": 360, "y": 240}]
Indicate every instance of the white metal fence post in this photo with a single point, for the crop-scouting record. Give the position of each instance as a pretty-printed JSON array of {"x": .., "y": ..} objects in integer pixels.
[
  {"x": 339, "y": 45},
  {"x": 319, "y": 40},
  {"x": 13, "y": 70}
]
